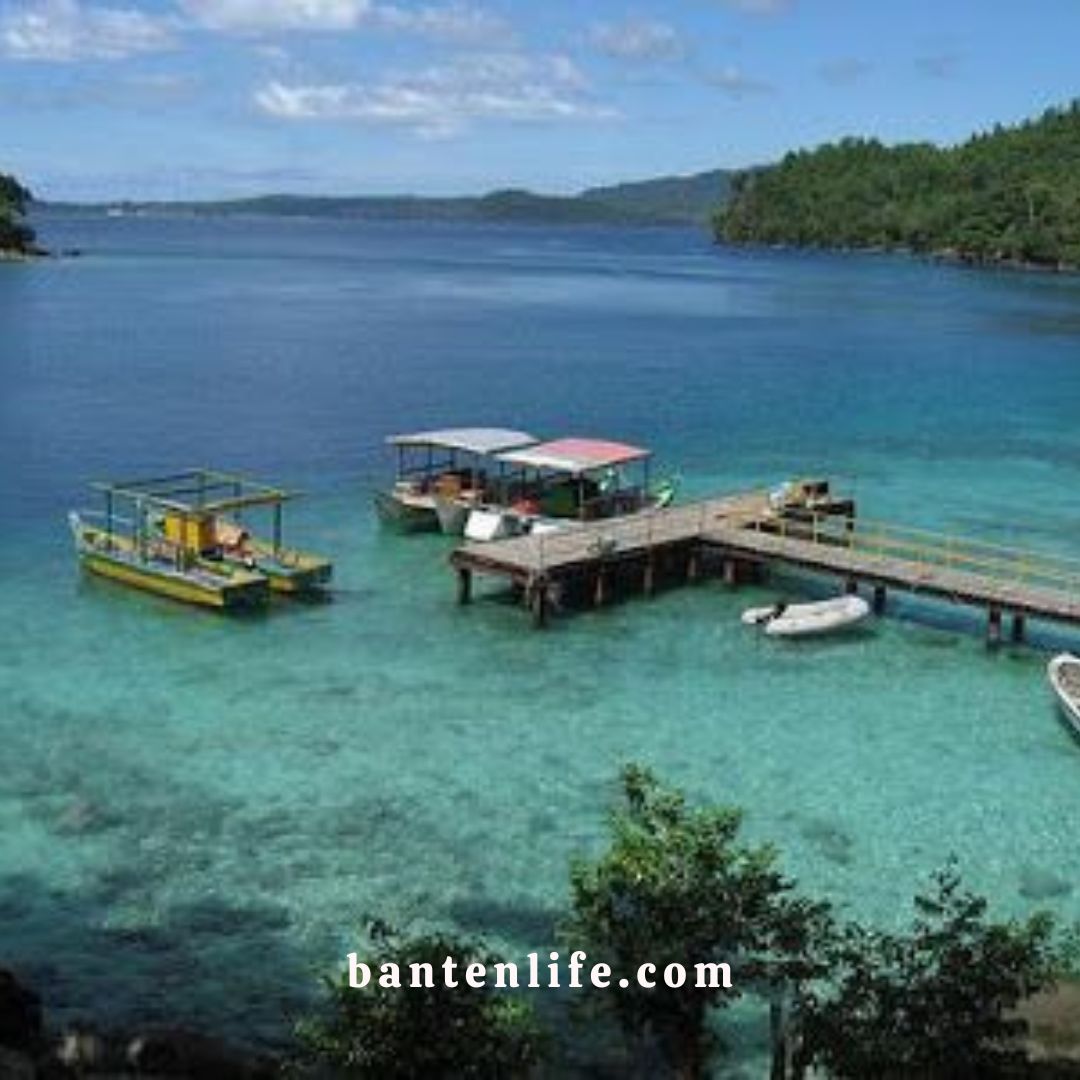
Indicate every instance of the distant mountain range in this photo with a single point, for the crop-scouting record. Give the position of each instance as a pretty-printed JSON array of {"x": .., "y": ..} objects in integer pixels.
[{"x": 669, "y": 200}]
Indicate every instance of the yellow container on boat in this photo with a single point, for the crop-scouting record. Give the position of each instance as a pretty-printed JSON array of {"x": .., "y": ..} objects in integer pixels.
[{"x": 190, "y": 533}]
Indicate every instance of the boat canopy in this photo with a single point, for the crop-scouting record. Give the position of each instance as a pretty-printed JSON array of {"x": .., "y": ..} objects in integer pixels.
[
  {"x": 466, "y": 440},
  {"x": 197, "y": 492},
  {"x": 575, "y": 456}
]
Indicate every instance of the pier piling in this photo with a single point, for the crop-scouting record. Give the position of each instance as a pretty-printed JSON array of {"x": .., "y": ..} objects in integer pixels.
[
  {"x": 693, "y": 566},
  {"x": 464, "y": 582},
  {"x": 879, "y": 599},
  {"x": 648, "y": 584},
  {"x": 600, "y": 588},
  {"x": 537, "y": 598},
  {"x": 993, "y": 625}
]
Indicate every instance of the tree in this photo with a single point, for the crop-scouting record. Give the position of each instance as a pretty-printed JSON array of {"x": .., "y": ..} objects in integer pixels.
[
  {"x": 935, "y": 1003},
  {"x": 408, "y": 1032},
  {"x": 677, "y": 886},
  {"x": 1009, "y": 195},
  {"x": 15, "y": 235}
]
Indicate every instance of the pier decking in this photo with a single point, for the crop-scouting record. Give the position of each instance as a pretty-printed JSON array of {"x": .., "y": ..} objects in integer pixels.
[{"x": 743, "y": 532}]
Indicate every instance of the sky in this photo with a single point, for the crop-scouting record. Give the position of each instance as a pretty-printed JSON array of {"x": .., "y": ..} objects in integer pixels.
[{"x": 218, "y": 98}]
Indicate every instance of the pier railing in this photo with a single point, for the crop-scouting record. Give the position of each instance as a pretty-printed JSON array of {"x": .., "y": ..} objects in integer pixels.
[
  {"x": 882, "y": 541},
  {"x": 898, "y": 543}
]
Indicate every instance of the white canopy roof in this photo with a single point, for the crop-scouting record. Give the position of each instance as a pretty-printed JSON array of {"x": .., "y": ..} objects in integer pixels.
[{"x": 467, "y": 440}]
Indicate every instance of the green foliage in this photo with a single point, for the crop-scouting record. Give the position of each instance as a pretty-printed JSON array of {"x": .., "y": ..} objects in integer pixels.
[
  {"x": 666, "y": 199},
  {"x": 935, "y": 1003},
  {"x": 677, "y": 886},
  {"x": 1010, "y": 196},
  {"x": 15, "y": 235},
  {"x": 406, "y": 1033}
]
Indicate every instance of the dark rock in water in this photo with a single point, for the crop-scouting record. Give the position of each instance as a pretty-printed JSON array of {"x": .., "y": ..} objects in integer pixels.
[
  {"x": 177, "y": 1052},
  {"x": 1036, "y": 884},
  {"x": 831, "y": 840},
  {"x": 21, "y": 1019},
  {"x": 16, "y": 1066}
]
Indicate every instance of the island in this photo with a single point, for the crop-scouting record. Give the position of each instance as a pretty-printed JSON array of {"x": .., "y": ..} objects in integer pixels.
[
  {"x": 16, "y": 237},
  {"x": 1007, "y": 197},
  {"x": 683, "y": 200}
]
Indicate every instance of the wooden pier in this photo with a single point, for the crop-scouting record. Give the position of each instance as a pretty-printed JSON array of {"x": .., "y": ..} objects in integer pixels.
[{"x": 743, "y": 535}]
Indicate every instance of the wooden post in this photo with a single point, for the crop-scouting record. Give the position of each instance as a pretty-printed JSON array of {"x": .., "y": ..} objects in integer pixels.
[
  {"x": 1018, "y": 625},
  {"x": 993, "y": 625},
  {"x": 693, "y": 566},
  {"x": 538, "y": 603},
  {"x": 851, "y": 586},
  {"x": 464, "y": 585},
  {"x": 649, "y": 584},
  {"x": 879, "y": 599},
  {"x": 731, "y": 572},
  {"x": 600, "y": 589}
]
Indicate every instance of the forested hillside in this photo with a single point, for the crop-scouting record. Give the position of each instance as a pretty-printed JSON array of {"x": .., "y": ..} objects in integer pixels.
[
  {"x": 667, "y": 200},
  {"x": 1011, "y": 195},
  {"x": 15, "y": 235}
]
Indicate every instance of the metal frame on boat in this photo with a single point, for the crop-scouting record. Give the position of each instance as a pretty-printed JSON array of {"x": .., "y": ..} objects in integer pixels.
[
  {"x": 441, "y": 475},
  {"x": 553, "y": 484},
  {"x": 183, "y": 537}
]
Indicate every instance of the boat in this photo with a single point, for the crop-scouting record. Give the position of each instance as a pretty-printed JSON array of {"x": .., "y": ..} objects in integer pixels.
[
  {"x": 192, "y": 523},
  {"x": 441, "y": 476},
  {"x": 804, "y": 620},
  {"x": 120, "y": 549},
  {"x": 1064, "y": 675},
  {"x": 555, "y": 485}
]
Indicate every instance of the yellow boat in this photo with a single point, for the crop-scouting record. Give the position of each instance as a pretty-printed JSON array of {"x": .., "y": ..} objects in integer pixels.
[
  {"x": 186, "y": 539},
  {"x": 158, "y": 567}
]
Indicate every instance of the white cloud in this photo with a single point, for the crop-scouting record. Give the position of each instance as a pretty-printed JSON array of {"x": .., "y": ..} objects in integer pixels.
[
  {"x": 638, "y": 40},
  {"x": 938, "y": 65},
  {"x": 844, "y": 71},
  {"x": 65, "y": 30},
  {"x": 736, "y": 83},
  {"x": 454, "y": 23},
  {"x": 760, "y": 7},
  {"x": 441, "y": 101},
  {"x": 258, "y": 16}
]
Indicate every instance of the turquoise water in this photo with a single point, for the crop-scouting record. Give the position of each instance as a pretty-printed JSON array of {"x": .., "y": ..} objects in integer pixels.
[{"x": 196, "y": 811}]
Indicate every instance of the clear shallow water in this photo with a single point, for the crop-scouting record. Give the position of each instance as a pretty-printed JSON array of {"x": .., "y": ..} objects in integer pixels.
[{"x": 196, "y": 811}]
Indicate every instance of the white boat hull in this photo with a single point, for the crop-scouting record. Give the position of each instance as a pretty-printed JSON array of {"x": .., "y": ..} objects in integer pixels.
[
  {"x": 1064, "y": 675},
  {"x": 453, "y": 515},
  {"x": 485, "y": 525},
  {"x": 806, "y": 620}
]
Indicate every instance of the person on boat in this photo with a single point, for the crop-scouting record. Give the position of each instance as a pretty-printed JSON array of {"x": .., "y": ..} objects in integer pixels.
[{"x": 235, "y": 543}]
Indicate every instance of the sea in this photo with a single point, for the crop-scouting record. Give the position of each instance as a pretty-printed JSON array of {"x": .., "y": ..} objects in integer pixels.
[{"x": 198, "y": 813}]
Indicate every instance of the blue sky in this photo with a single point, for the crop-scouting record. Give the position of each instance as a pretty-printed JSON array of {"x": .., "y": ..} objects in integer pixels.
[{"x": 203, "y": 98}]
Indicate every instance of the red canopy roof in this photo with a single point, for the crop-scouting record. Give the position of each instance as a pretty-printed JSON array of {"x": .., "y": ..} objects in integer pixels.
[{"x": 575, "y": 455}]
